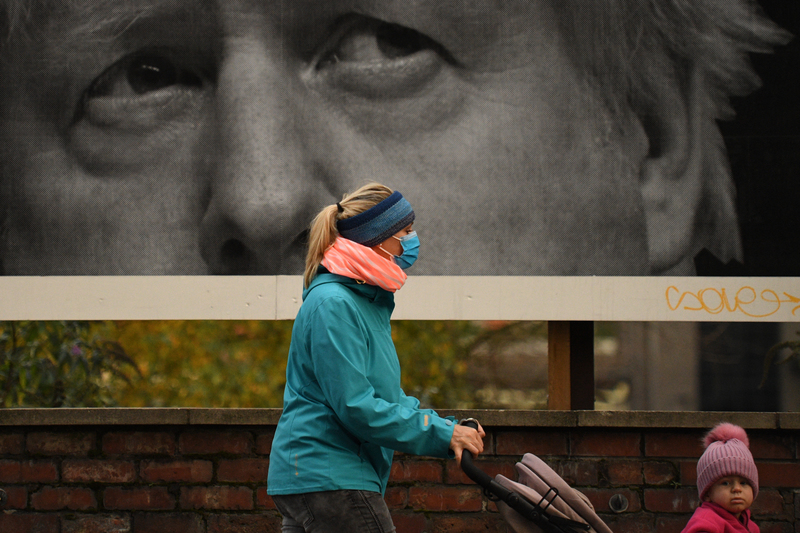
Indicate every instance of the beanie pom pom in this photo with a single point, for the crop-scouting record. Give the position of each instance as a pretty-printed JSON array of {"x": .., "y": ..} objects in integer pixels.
[{"x": 725, "y": 432}]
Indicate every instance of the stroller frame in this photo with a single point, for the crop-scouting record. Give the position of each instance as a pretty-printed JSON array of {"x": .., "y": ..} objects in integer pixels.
[{"x": 535, "y": 512}]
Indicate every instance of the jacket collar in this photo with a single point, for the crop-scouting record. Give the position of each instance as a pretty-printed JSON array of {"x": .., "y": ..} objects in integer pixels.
[
  {"x": 372, "y": 293},
  {"x": 743, "y": 520}
]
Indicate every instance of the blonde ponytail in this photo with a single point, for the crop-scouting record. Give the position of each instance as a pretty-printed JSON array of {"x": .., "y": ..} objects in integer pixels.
[{"x": 323, "y": 230}]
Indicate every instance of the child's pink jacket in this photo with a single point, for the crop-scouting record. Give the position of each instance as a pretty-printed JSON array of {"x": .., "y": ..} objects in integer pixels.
[{"x": 712, "y": 518}]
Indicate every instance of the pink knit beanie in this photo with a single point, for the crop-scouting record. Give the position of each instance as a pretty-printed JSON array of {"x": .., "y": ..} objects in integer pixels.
[{"x": 727, "y": 454}]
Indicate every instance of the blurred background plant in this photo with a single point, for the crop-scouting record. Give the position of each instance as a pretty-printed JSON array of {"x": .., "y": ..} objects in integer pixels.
[
  {"x": 55, "y": 364},
  {"x": 182, "y": 363},
  {"x": 185, "y": 363}
]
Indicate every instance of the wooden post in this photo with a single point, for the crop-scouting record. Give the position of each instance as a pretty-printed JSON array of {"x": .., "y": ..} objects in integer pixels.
[{"x": 570, "y": 347}]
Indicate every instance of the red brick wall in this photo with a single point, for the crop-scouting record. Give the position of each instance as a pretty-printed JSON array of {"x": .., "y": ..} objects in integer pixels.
[{"x": 211, "y": 478}]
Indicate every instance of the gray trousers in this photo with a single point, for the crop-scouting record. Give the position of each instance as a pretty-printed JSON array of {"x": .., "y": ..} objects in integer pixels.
[{"x": 353, "y": 511}]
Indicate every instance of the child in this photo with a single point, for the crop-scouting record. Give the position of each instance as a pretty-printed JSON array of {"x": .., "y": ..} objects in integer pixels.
[{"x": 727, "y": 481}]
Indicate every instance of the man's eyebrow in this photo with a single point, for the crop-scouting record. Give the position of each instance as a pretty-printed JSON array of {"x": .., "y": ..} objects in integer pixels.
[
  {"x": 79, "y": 21},
  {"x": 96, "y": 19}
]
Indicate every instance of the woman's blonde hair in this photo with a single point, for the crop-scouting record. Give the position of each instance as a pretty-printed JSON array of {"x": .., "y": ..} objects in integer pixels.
[{"x": 323, "y": 230}]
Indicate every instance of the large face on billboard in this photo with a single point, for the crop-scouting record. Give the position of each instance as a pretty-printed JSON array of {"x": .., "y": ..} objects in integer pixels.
[{"x": 201, "y": 137}]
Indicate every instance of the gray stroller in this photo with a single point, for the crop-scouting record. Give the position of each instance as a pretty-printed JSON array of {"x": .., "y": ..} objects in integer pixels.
[{"x": 541, "y": 502}]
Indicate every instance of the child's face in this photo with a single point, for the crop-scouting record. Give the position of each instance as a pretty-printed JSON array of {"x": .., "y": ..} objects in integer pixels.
[{"x": 733, "y": 493}]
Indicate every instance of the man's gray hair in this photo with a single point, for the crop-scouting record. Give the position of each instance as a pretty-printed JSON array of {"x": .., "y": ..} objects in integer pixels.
[{"x": 632, "y": 49}]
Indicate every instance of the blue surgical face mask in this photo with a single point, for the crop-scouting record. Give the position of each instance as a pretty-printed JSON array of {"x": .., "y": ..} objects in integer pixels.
[{"x": 410, "y": 244}]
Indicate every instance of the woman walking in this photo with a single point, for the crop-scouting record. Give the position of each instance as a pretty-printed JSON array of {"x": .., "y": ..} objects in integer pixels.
[{"x": 344, "y": 411}]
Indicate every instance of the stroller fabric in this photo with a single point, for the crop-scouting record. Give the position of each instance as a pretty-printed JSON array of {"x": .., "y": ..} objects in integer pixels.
[{"x": 540, "y": 484}]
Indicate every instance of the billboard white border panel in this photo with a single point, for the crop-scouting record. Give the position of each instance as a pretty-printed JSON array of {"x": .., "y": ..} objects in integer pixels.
[{"x": 692, "y": 299}]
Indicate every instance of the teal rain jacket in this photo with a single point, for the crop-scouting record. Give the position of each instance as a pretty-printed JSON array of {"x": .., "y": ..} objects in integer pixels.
[{"x": 344, "y": 412}]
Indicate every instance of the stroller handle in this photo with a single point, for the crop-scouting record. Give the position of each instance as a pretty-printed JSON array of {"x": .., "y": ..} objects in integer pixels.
[
  {"x": 473, "y": 472},
  {"x": 532, "y": 511}
]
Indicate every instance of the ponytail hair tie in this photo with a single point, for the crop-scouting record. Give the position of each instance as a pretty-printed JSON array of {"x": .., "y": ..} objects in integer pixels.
[{"x": 339, "y": 207}]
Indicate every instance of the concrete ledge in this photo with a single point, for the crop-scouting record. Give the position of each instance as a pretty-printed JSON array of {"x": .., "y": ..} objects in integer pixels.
[
  {"x": 488, "y": 417},
  {"x": 234, "y": 417},
  {"x": 93, "y": 417},
  {"x": 789, "y": 420}
]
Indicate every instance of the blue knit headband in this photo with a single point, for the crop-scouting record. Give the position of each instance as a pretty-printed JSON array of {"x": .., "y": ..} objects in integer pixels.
[{"x": 379, "y": 222}]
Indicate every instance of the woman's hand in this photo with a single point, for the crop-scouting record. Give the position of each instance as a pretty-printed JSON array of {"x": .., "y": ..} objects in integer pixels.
[{"x": 466, "y": 438}]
